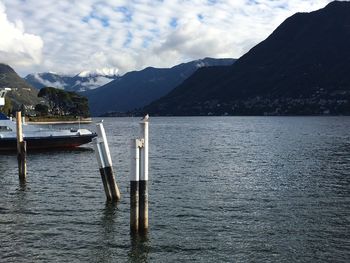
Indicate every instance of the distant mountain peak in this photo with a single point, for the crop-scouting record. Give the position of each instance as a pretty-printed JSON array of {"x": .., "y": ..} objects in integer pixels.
[
  {"x": 85, "y": 80},
  {"x": 106, "y": 72},
  {"x": 337, "y": 3},
  {"x": 53, "y": 72},
  {"x": 53, "y": 81},
  {"x": 138, "y": 88},
  {"x": 4, "y": 68}
]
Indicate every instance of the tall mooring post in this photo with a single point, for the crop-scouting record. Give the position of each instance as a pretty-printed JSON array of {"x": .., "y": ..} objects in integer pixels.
[
  {"x": 139, "y": 181},
  {"x": 143, "y": 184},
  {"x": 21, "y": 148},
  {"x": 105, "y": 164},
  {"x": 101, "y": 165},
  {"x": 136, "y": 144}
]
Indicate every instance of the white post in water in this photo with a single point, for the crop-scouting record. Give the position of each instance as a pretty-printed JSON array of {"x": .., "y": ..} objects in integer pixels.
[
  {"x": 143, "y": 183},
  {"x": 99, "y": 156},
  {"x": 134, "y": 184},
  {"x": 21, "y": 148},
  {"x": 107, "y": 161}
]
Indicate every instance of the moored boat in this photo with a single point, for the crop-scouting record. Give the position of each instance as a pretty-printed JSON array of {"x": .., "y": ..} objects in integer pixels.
[
  {"x": 41, "y": 138},
  {"x": 38, "y": 137}
]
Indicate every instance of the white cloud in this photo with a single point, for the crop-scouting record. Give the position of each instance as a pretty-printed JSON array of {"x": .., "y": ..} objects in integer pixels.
[
  {"x": 130, "y": 35},
  {"x": 93, "y": 83},
  {"x": 47, "y": 83},
  {"x": 18, "y": 48},
  {"x": 107, "y": 72}
]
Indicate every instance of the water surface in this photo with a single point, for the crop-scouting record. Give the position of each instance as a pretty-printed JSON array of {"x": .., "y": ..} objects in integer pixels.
[{"x": 230, "y": 189}]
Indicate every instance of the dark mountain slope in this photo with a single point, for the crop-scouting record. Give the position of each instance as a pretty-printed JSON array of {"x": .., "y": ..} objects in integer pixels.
[
  {"x": 306, "y": 58},
  {"x": 138, "y": 88},
  {"x": 21, "y": 92}
]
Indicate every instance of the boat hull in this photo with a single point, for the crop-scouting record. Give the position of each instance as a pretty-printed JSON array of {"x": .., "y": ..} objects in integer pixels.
[{"x": 50, "y": 142}]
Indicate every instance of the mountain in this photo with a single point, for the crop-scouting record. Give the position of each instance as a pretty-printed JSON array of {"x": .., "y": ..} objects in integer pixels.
[
  {"x": 138, "y": 88},
  {"x": 301, "y": 68},
  {"x": 21, "y": 92},
  {"x": 85, "y": 80}
]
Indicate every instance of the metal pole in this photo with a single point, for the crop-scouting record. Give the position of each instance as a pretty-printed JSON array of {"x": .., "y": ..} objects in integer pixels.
[
  {"x": 108, "y": 169},
  {"x": 101, "y": 165},
  {"x": 143, "y": 184},
  {"x": 21, "y": 148},
  {"x": 134, "y": 184}
]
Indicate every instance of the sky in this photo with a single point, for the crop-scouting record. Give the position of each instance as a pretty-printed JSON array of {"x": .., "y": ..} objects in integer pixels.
[{"x": 70, "y": 36}]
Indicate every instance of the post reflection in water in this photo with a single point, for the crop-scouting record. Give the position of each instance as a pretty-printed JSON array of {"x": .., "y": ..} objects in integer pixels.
[
  {"x": 22, "y": 185},
  {"x": 140, "y": 247},
  {"x": 104, "y": 251}
]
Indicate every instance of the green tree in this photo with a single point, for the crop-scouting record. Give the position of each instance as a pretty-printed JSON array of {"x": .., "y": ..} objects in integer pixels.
[
  {"x": 42, "y": 109},
  {"x": 64, "y": 102}
]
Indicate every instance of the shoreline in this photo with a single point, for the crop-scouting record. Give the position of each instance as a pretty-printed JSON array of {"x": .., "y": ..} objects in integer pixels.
[{"x": 84, "y": 121}]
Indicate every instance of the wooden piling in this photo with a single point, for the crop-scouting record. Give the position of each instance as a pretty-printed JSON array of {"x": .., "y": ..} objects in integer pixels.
[
  {"x": 107, "y": 161},
  {"x": 99, "y": 157},
  {"x": 143, "y": 182},
  {"x": 134, "y": 184},
  {"x": 21, "y": 148}
]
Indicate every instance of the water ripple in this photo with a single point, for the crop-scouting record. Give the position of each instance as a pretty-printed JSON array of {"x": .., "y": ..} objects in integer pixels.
[{"x": 267, "y": 189}]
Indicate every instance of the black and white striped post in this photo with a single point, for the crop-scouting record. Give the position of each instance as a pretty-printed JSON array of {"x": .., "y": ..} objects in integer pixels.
[
  {"x": 136, "y": 144},
  {"x": 21, "y": 149},
  {"x": 99, "y": 156},
  {"x": 143, "y": 183},
  {"x": 139, "y": 181},
  {"x": 105, "y": 164}
]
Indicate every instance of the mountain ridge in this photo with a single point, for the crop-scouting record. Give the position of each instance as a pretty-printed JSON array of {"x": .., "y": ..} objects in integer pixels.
[
  {"x": 304, "y": 58},
  {"x": 136, "y": 89}
]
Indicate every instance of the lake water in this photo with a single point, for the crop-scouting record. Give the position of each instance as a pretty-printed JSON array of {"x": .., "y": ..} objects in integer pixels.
[{"x": 229, "y": 189}]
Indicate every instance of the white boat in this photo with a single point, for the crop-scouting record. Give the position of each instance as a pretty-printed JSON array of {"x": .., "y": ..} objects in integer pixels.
[{"x": 38, "y": 137}]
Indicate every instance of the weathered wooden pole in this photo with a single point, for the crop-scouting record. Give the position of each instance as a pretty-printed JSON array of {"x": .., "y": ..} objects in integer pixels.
[
  {"x": 107, "y": 160},
  {"x": 21, "y": 148},
  {"x": 134, "y": 184},
  {"x": 99, "y": 156},
  {"x": 143, "y": 183}
]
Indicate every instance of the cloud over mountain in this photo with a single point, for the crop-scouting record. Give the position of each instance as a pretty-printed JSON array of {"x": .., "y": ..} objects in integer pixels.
[{"x": 131, "y": 35}]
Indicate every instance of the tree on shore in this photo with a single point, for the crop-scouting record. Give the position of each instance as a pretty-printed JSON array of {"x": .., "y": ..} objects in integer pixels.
[
  {"x": 65, "y": 103},
  {"x": 42, "y": 109}
]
